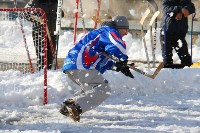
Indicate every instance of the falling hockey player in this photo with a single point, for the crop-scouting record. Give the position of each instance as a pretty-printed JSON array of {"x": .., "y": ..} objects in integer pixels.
[{"x": 86, "y": 61}]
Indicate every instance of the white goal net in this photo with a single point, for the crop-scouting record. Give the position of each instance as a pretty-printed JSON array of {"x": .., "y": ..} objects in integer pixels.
[{"x": 23, "y": 40}]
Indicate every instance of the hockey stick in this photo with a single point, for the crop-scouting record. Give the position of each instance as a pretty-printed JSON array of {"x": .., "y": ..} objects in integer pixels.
[
  {"x": 165, "y": 38},
  {"x": 97, "y": 14},
  {"x": 138, "y": 70},
  {"x": 58, "y": 19},
  {"x": 196, "y": 64},
  {"x": 153, "y": 41},
  {"x": 142, "y": 34},
  {"x": 76, "y": 20},
  {"x": 146, "y": 13},
  {"x": 161, "y": 65},
  {"x": 15, "y": 3},
  {"x": 193, "y": 16},
  {"x": 57, "y": 33},
  {"x": 153, "y": 38},
  {"x": 82, "y": 16},
  {"x": 98, "y": 20}
]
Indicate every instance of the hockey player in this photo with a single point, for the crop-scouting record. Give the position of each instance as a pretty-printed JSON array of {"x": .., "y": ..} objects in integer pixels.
[{"x": 88, "y": 59}]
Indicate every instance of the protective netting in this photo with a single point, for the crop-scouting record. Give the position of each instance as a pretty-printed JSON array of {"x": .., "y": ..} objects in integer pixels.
[{"x": 23, "y": 41}]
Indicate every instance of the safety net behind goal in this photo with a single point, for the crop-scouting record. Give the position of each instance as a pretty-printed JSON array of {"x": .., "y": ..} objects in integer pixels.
[{"x": 23, "y": 41}]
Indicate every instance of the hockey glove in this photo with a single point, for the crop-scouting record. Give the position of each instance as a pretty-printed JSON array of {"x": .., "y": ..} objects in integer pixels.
[
  {"x": 122, "y": 66},
  {"x": 127, "y": 72}
]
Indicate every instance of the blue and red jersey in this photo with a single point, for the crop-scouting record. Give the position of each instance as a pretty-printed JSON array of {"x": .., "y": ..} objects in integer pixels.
[{"x": 87, "y": 53}]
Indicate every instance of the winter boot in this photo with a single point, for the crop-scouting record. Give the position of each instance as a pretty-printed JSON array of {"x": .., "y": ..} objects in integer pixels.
[{"x": 71, "y": 110}]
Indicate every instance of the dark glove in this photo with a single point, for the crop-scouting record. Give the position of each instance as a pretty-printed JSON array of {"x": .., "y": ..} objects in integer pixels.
[
  {"x": 122, "y": 66},
  {"x": 127, "y": 72}
]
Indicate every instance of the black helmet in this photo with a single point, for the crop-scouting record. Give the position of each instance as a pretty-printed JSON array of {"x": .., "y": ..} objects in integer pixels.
[{"x": 121, "y": 22}]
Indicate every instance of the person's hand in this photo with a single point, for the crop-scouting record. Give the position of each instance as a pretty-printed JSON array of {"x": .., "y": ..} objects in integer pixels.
[
  {"x": 185, "y": 12},
  {"x": 122, "y": 67},
  {"x": 179, "y": 16}
]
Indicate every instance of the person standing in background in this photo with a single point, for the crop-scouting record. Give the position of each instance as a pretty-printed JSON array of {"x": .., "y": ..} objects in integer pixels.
[
  {"x": 50, "y": 8},
  {"x": 175, "y": 26}
]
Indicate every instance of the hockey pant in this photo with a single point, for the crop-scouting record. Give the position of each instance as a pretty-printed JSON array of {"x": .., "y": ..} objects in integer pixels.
[
  {"x": 181, "y": 48},
  {"x": 94, "y": 88}
]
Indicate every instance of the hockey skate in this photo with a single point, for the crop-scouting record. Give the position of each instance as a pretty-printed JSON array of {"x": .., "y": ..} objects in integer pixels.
[{"x": 71, "y": 110}]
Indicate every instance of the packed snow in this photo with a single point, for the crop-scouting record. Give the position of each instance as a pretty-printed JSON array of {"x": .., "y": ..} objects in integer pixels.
[{"x": 168, "y": 103}]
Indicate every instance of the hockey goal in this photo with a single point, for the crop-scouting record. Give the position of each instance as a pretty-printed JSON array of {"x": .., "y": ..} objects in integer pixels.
[{"x": 23, "y": 41}]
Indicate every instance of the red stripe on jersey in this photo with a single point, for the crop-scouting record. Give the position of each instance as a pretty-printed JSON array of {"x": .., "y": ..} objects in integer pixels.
[
  {"x": 87, "y": 59},
  {"x": 118, "y": 39}
]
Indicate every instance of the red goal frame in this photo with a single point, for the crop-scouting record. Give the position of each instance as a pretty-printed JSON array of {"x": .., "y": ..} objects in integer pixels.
[{"x": 45, "y": 40}]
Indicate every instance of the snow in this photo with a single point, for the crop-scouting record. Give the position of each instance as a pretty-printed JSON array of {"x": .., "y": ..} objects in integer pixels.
[{"x": 168, "y": 103}]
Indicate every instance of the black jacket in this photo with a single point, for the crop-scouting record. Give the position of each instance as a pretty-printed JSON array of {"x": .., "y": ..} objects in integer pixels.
[
  {"x": 170, "y": 8},
  {"x": 50, "y": 8}
]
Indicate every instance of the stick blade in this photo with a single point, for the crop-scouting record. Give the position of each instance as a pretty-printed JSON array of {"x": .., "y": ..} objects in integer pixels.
[
  {"x": 155, "y": 15},
  {"x": 146, "y": 74},
  {"x": 158, "y": 70},
  {"x": 146, "y": 13},
  {"x": 195, "y": 65}
]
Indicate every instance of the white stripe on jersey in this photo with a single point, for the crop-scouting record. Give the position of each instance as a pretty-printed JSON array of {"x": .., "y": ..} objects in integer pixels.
[
  {"x": 79, "y": 62},
  {"x": 123, "y": 50}
]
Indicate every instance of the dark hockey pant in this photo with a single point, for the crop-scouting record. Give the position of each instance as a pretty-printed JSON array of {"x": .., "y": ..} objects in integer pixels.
[{"x": 179, "y": 44}]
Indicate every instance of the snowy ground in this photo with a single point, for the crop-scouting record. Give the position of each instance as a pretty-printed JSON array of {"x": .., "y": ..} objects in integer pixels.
[{"x": 168, "y": 103}]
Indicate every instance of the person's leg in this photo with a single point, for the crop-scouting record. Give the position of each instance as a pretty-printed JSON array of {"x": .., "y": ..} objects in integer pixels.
[
  {"x": 50, "y": 57},
  {"x": 51, "y": 13},
  {"x": 182, "y": 51},
  {"x": 162, "y": 44},
  {"x": 94, "y": 88},
  {"x": 167, "y": 50}
]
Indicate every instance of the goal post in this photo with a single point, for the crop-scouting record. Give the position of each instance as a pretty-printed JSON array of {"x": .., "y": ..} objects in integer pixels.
[{"x": 23, "y": 41}]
